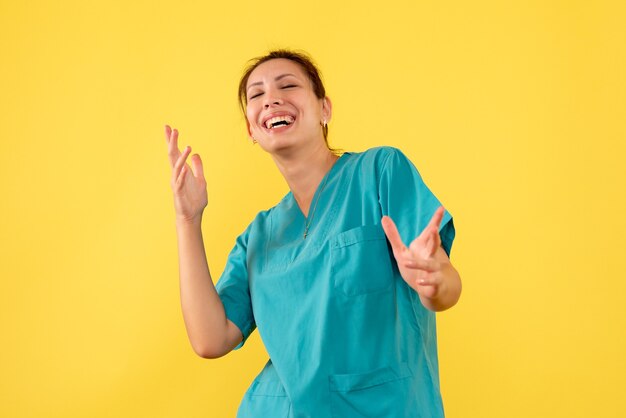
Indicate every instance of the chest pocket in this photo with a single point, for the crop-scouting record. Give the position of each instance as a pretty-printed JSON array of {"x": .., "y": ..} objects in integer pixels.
[{"x": 360, "y": 261}]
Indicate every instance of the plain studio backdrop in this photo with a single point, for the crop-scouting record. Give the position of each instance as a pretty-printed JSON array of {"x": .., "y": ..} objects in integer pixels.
[{"x": 512, "y": 111}]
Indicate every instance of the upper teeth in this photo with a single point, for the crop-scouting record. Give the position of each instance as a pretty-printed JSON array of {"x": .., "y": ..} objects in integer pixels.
[{"x": 286, "y": 118}]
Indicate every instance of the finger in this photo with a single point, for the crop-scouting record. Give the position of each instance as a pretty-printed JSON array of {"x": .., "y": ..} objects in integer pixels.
[
  {"x": 180, "y": 181},
  {"x": 427, "y": 249},
  {"x": 433, "y": 225},
  {"x": 415, "y": 258},
  {"x": 429, "y": 280},
  {"x": 391, "y": 231},
  {"x": 168, "y": 132},
  {"x": 423, "y": 245},
  {"x": 417, "y": 263},
  {"x": 196, "y": 164},
  {"x": 433, "y": 242},
  {"x": 173, "y": 151},
  {"x": 435, "y": 221},
  {"x": 180, "y": 162}
]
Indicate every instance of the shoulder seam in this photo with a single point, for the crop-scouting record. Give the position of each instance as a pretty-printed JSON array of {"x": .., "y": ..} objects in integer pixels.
[{"x": 391, "y": 152}]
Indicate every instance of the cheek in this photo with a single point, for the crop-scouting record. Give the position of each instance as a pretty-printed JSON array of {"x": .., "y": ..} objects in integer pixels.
[{"x": 250, "y": 116}]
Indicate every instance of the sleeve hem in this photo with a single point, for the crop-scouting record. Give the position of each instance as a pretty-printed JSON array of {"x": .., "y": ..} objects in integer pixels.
[
  {"x": 243, "y": 325},
  {"x": 447, "y": 232}
]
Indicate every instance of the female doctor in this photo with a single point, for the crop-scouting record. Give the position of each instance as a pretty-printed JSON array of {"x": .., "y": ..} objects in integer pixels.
[{"x": 341, "y": 277}]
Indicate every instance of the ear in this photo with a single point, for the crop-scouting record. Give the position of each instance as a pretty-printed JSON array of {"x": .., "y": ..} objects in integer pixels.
[{"x": 327, "y": 109}]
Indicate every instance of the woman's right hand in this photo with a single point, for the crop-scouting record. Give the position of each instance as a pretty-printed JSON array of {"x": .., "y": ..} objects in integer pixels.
[{"x": 189, "y": 187}]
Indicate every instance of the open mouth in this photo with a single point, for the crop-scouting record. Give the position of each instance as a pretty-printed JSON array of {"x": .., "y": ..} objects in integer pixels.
[{"x": 279, "y": 121}]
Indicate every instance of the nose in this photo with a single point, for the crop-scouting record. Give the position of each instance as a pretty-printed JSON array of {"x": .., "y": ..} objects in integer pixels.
[{"x": 272, "y": 98}]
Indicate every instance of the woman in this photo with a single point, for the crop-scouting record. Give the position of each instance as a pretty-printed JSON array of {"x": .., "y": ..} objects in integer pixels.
[{"x": 346, "y": 316}]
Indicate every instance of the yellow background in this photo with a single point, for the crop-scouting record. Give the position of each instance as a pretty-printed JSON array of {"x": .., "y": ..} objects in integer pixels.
[{"x": 514, "y": 113}]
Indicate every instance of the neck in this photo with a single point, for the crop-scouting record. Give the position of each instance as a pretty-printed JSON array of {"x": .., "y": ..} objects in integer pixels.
[{"x": 304, "y": 171}]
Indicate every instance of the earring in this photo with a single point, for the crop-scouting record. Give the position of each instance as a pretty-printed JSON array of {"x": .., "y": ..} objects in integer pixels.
[
  {"x": 254, "y": 141},
  {"x": 323, "y": 123}
]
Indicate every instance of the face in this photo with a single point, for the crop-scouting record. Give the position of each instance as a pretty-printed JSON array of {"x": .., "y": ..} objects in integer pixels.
[{"x": 282, "y": 109}]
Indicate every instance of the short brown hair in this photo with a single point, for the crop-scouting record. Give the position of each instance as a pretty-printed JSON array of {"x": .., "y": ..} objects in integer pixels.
[{"x": 300, "y": 58}]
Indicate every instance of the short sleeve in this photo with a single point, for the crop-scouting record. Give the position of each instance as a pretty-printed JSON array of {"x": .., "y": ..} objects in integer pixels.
[
  {"x": 234, "y": 291},
  {"x": 408, "y": 201}
]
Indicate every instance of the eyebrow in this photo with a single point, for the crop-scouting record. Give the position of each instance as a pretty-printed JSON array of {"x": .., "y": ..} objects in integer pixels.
[{"x": 276, "y": 79}]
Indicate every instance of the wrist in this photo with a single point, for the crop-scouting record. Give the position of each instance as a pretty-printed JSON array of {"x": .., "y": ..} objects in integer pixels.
[{"x": 183, "y": 222}]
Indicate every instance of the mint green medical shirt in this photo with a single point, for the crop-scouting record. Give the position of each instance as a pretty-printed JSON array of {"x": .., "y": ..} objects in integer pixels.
[{"x": 346, "y": 336}]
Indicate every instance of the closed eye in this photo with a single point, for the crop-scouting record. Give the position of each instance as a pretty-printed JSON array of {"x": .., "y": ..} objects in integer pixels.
[{"x": 288, "y": 86}]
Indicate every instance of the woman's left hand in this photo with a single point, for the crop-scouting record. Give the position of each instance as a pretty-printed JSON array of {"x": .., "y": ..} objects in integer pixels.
[{"x": 423, "y": 264}]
